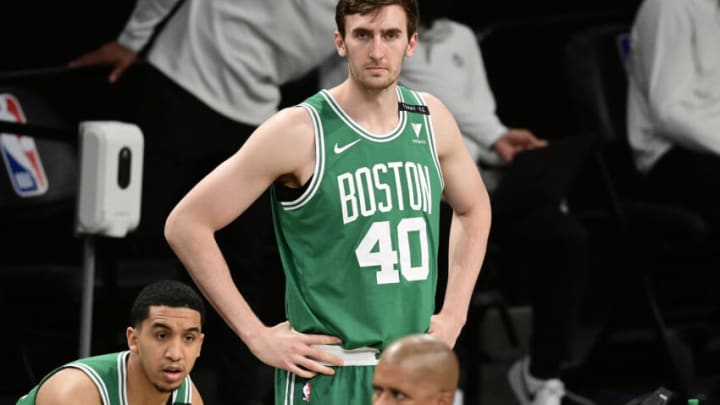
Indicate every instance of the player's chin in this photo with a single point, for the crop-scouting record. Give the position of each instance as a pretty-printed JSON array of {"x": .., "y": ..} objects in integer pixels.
[
  {"x": 378, "y": 83},
  {"x": 169, "y": 382},
  {"x": 166, "y": 387}
]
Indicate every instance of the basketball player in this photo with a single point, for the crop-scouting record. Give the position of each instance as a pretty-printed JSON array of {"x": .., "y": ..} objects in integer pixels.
[
  {"x": 417, "y": 369},
  {"x": 357, "y": 173},
  {"x": 164, "y": 341}
]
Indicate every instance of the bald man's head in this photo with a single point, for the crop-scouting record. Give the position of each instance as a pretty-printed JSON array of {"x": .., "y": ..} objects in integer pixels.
[{"x": 420, "y": 369}]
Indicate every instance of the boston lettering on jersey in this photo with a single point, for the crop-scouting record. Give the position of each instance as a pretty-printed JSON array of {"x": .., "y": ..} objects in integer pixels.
[{"x": 385, "y": 187}]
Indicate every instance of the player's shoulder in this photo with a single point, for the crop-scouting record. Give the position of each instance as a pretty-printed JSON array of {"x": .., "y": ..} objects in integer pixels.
[
  {"x": 434, "y": 104},
  {"x": 68, "y": 385},
  {"x": 197, "y": 398},
  {"x": 443, "y": 122},
  {"x": 295, "y": 115},
  {"x": 287, "y": 139},
  {"x": 288, "y": 122}
]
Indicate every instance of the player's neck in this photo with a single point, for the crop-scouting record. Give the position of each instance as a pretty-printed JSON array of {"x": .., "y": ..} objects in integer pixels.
[
  {"x": 140, "y": 391},
  {"x": 375, "y": 110}
]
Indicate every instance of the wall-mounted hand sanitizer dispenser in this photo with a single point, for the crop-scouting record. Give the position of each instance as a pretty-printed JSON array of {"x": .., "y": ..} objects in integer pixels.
[{"x": 111, "y": 166}]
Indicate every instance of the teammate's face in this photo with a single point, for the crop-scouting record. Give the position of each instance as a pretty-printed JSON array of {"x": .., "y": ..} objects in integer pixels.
[
  {"x": 167, "y": 344},
  {"x": 375, "y": 45},
  {"x": 395, "y": 384}
]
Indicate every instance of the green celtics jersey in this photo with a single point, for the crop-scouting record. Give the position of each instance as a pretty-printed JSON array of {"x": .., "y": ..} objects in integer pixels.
[
  {"x": 359, "y": 245},
  {"x": 109, "y": 373}
]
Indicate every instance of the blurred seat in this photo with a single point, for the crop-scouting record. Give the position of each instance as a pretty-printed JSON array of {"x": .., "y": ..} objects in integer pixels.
[{"x": 650, "y": 242}]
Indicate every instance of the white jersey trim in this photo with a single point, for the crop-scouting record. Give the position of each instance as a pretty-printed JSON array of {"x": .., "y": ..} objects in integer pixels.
[
  {"x": 361, "y": 356},
  {"x": 431, "y": 140},
  {"x": 188, "y": 390},
  {"x": 289, "y": 389},
  {"x": 396, "y": 132},
  {"x": 99, "y": 383},
  {"x": 319, "y": 162},
  {"x": 122, "y": 376}
]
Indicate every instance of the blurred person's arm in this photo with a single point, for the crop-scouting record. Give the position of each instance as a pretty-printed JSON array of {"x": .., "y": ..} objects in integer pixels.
[
  {"x": 475, "y": 111},
  {"x": 516, "y": 140},
  {"x": 122, "y": 53},
  {"x": 677, "y": 67},
  {"x": 142, "y": 22}
]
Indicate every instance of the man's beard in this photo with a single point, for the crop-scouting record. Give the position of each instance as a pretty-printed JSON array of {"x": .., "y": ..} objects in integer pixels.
[
  {"x": 166, "y": 390},
  {"x": 368, "y": 83}
]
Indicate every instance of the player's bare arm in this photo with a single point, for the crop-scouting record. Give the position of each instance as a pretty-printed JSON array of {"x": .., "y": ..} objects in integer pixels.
[
  {"x": 466, "y": 194},
  {"x": 281, "y": 149},
  {"x": 68, "y": 386},
  {"x": 197, "y": 398}
]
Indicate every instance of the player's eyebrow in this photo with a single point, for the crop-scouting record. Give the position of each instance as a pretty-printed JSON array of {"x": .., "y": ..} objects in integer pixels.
[
  {"x": 160, "y": 325},
  {"x": 368, "y": 31}
]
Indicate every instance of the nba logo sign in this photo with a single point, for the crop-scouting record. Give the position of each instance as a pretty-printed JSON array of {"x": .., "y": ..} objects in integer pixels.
[
  {"x": 306, "y": 392},
  {"x": 20, "y": 154}
]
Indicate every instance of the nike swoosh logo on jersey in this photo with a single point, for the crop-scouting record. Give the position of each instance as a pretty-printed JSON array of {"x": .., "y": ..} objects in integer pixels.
[{"x": 341, "y": 149}]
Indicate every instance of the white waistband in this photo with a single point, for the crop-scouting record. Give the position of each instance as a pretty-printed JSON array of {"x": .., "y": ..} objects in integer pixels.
[{"x": 362, "y": 356}]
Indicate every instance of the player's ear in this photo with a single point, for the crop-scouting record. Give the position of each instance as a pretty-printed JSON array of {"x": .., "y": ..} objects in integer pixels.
[
  {"x": 340, "y": 44},
  {"x": 412, "y": 43},
  {"x": 202, "y": 339},
  {"x": 445, "y": 398},
  {"x": 132, "y": 337}
]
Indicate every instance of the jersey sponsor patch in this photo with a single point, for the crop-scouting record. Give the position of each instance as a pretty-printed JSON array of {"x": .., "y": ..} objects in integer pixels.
[
  {"x": 21, "y": 157},
  {"x": 414, "y": 108},
  {"x": 416, "y": 126}
]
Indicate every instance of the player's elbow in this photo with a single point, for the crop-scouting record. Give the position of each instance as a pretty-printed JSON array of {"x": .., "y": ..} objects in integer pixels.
[
  {"x": 173, "y": 228},
  {"x": 482, "y": 210}
]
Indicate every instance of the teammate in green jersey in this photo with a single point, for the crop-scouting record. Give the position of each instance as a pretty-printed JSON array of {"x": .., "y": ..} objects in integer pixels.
[
  {"x": 357, "y": 174},
  {"x": 164, "y": 342}
]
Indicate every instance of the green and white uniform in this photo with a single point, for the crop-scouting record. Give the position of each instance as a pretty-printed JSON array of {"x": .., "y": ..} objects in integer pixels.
[
  {"x": 359, "y": 246},
  {"x": 109, "y": 373}
]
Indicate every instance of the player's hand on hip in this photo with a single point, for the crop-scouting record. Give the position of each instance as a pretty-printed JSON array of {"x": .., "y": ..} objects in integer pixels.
[
  {"x": 282, "y": 347},
  {"x": 111, "y": 54}
]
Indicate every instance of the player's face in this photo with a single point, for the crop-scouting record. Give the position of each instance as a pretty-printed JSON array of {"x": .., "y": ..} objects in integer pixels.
[
  {"x": 393, "y": 384},
  {"x": 375, "y": 45},
  {"x": 167, "y": 344}
]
